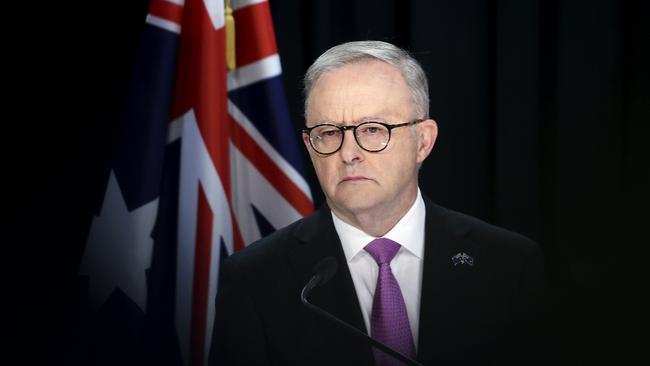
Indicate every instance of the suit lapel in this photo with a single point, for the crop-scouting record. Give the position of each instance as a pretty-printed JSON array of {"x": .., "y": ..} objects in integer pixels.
[
  {"x": 317, "y": 239},
  {"x": 444, "y": 238}
]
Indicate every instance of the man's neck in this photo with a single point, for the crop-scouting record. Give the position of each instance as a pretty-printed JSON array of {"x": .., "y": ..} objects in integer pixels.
[{"x": 379, "y": 220}]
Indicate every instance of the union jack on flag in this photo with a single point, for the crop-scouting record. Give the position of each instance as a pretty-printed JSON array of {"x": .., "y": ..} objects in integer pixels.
[{"x": 206, "y": 161}]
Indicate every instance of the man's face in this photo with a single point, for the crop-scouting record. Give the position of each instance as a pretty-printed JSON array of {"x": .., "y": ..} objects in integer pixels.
[{"x": 357, "y": 182}]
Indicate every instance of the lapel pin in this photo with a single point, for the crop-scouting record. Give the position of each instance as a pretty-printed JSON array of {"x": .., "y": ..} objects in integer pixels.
[{"x": 462, "y": 258}]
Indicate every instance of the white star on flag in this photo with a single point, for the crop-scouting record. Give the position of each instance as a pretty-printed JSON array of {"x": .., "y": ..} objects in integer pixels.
[{"x": 119, "y": 248}]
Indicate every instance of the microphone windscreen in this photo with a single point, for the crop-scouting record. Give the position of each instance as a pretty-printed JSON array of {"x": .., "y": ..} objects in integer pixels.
[{"x": 326, "y": 269}]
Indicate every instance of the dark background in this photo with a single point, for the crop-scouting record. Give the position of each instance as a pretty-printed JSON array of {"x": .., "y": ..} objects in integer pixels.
[{"x": 543, "y": 109}]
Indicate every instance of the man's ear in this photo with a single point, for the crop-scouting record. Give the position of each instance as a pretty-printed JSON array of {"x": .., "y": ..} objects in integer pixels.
[
  {"x": 305, "y": 140},
  {"x": 427, "y": 132}
]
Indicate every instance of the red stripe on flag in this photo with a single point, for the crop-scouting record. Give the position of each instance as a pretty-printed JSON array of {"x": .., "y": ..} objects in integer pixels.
[
  {"x": 267, "y": 167},
  {"x": 201, "y": 84},
  {"x": 166, "y": 10},
  {"x": 201, "y": 281},
  {"x": 255, "y": 38}
]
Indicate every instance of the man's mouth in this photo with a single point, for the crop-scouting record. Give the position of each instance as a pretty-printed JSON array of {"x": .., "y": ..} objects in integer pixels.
[{"x": 353, "y": 178}]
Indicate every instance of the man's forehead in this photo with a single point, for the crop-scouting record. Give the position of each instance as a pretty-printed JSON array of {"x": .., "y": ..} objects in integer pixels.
[{"x": 369, "y": 90}]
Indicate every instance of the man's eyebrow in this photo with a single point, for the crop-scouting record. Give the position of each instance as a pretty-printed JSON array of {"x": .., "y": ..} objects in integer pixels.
[{"x": 371, "y": 119}]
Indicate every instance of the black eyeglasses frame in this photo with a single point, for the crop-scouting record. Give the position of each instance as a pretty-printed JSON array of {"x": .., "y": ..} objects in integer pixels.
[{"x": 390, "y": 127}]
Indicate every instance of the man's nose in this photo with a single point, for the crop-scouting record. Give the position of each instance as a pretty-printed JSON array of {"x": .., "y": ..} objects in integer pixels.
[{"x": 350, "y": 151}]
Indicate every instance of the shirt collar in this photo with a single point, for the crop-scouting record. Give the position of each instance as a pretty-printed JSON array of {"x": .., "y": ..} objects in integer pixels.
[{"x": 408, "y": 232}]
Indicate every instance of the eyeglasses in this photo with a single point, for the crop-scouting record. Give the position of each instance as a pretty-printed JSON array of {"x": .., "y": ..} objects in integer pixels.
[{"x": 326, "y": 138}]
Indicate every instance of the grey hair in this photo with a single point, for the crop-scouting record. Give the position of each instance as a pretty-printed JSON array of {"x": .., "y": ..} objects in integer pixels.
[{"x": 352, "y": 52}]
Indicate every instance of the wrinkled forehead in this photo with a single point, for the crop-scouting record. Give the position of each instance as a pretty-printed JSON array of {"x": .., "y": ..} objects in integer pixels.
[{"x": 366, "y": 89}]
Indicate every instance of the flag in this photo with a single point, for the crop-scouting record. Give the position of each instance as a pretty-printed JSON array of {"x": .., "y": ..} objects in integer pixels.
[{"x": 206, "y": 162}]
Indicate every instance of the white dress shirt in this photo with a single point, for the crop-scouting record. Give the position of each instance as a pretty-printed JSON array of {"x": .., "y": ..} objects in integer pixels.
[{"x": 406, "y": 265}]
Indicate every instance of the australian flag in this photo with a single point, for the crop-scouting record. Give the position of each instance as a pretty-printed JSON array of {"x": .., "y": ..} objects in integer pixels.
[{"x": 206, "y": 162}]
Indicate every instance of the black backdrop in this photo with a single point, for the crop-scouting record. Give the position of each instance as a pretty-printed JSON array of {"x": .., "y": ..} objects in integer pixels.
[{"x": 543, "y": 108}]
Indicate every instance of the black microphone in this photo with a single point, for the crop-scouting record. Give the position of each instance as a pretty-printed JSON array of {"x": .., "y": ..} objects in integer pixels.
[{"x": 323, "y": 272}]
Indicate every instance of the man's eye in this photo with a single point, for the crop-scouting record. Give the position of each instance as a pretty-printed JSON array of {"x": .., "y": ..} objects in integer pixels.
[{"x": 371, "y": 130}]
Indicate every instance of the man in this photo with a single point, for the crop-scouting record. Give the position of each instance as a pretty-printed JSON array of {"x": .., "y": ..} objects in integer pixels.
[{"x": 435, "y": 285}]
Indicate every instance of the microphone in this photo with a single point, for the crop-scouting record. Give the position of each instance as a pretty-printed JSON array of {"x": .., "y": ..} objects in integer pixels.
[{"x": 323, "y": 272}]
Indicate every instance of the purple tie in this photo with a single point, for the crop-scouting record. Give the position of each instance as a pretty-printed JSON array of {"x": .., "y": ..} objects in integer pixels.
[{"x": 389, "y": 322}]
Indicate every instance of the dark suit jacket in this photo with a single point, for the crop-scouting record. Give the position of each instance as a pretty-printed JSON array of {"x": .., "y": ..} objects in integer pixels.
[{"x": 482, "y": 314}]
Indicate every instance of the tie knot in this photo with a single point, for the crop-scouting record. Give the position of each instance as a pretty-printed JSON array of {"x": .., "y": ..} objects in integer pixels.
[{"x": 382, "y": 250}]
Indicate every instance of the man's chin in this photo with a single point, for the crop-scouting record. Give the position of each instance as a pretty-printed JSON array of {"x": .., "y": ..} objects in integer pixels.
[{"x": 352, "y": 205}]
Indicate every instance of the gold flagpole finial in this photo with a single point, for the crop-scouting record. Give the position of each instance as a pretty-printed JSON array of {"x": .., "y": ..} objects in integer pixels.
[{"x": 230, "y": 38}]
